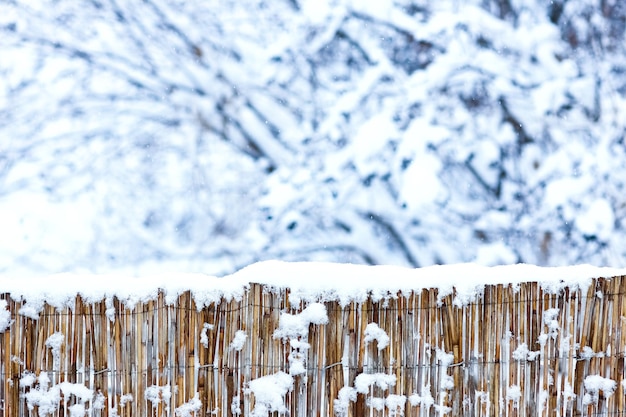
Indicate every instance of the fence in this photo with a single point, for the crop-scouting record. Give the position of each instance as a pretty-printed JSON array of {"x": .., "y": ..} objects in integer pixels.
[{"x": 513, "y": 351}]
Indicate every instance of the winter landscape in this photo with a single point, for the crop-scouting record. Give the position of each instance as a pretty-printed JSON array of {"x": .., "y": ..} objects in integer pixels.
[{"x": 147, "y": 148}]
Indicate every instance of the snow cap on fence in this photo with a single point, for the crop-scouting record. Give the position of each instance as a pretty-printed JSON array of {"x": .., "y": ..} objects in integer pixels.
[{"x": 307, "y": 281}]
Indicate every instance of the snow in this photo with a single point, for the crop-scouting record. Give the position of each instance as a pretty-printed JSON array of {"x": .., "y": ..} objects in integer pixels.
[
  {"x": 235, "y": 407},
  {"x": 522, "y": 353},
  {"x": 204, "y": 338},
  {"x": 568, "y": 392},
  {"x": 587, "y": 353},
  {"x": 373, "y": 332},
  {"x": 297, "y": 325},
  {"x": 295, "y": 329},
  {"x": 157, "y": 394},
  {"x": 5, "y": 316},
  {"x": 98, "y": 401},
  {"x": 48, "y": 398},
  {"x": 238, "y": 340},
  {"x": 376, "y": 403},
  {"x": 598, "y": 220},
  {"x": 596, "y": 383},
  {"x": 420, "y": 183},
  {"x": 54, "y": 342},
  {"x": 425, "y": 400},
  {"x": 496, "y": 253},
  {"x": 342, "y": 403},
  {"x": 550, "y": 320},
  {"x": 445, "y": 360},
  {"x": 126, "y": 398},
  {"x": 189, "y": 408},
  {"x": 395, "y": 403},
  {"x": 514, "y": 393},
  {"x": 269, "y": 392},
  {"x": 77, "y": 410},
  {"x": 308, "y": 281},
  {"x": 363, "y": 382},
  {"x": 81, "y": 392}
]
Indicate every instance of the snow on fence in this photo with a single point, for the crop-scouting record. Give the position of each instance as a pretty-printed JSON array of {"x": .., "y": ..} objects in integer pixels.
[{"x": 311, "y": 340}]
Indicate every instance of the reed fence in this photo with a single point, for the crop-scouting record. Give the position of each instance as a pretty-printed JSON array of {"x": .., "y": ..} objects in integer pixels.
[{"x": 512, "y": 351}]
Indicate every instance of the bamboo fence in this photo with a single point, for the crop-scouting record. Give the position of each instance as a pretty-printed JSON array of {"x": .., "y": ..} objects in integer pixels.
[{"x": 513, "y": 351}]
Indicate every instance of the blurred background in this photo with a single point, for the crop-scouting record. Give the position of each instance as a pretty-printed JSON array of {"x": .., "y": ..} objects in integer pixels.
[{"x": 203, "y": 136}]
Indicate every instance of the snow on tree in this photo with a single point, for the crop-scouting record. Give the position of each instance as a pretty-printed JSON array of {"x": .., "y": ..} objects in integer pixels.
[{"x": 406, "y": 132}]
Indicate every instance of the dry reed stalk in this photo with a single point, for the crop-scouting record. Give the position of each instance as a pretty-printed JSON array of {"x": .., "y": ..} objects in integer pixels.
[
  {"x": 76, "y": 340},
  {"x": 203, "y": 317},
  {"x": 132, "y": 362},
  {"x": 192, "y": 348},
  {"x": 352, "y": 347},
  {"x": 497, "y": 334},
  {"x": 448, "y": 324},
  {"x": 408, "y": 352},
  {"x": 575, "y": 311},
  {"x": 579, "y": 365},
  {"x": 120, "y": 370},
  {"x": 35, "y": 334},
  {"x": 275, "y": 352},
  {"x": 65, "y": 362},
  {"x": 586, "y": 338},
  {"x": 614, "y": 315},
  {"x": 5, "y": 360},
  {"x": 620, "y": 351},
  {"x": 266, "y": 335},
  {"x": 502, "y": 319},
  {"x": 359, "y": 406},
  {"x": 216, "y": 357},
  {"x": 9, "y": 366},
  {"x": 398, "y": 341},
  {"x": 178, "y": 347},
  {"x": 143, "y": 379},
  {"x": 101, "y": 351},
  {"x": 234, "y": 357},
  {"x": 34, "y": 337},
  {"x": 211, "y": 364},
  {"x": 87, "y": 322},
  {"x": 160, "y": 357},
  {"x": 422, "y": 321},
  {"x": 331, "y": 346},
  {"x": 117, "y": 368},
  {"x": 513, "y": 326},
  {"x": 256, "y": 331},
  {"x": 521, "y": 336},
  {"x": 592, "y": 366},
  {"x": 309, "y": 386},
  {"x": 471, "y": 353}
]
